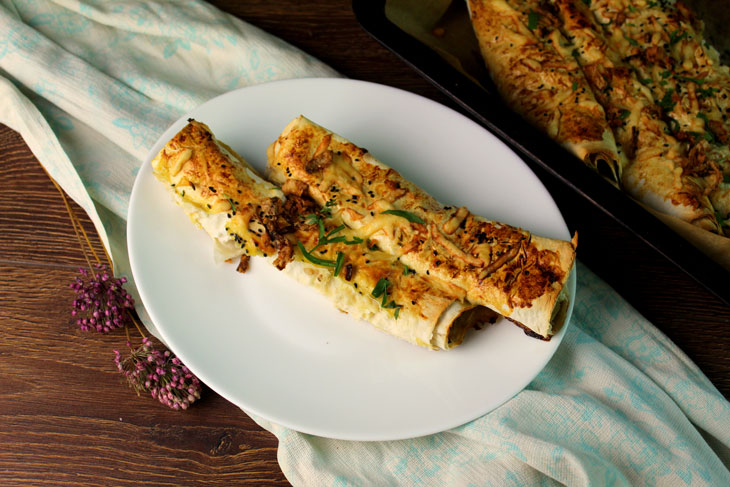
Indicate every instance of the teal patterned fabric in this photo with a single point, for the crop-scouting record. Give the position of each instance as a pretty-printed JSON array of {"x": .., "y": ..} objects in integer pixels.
[
  {"x": 90, "y": 85},
  {"x": 618, "y": 405}
]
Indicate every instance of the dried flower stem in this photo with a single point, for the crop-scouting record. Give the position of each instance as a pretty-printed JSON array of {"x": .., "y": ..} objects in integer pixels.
[
  {"x": 79, "y": 231},
  {"x": 136, "y": 324},
  {"x": 126, "y": 332},
  {"x": 104, "y": 304},
  {"x": 72, "y": 215},
  {"x": 75, "y": 222}
]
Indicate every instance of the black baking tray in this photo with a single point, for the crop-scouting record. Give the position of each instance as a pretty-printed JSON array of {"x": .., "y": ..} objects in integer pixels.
[{"x": 487, "y": 109}]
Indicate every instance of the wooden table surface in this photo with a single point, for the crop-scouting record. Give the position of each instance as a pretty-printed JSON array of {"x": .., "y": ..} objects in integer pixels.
[{"x": 66, "y": 417}]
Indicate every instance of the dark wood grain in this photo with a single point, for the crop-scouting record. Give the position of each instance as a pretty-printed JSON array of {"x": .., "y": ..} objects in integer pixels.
[{"x": 66, "y": 418}]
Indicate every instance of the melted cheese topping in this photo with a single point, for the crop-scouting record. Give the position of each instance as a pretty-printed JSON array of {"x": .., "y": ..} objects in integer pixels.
[
  {"x": 485, "y": 262},
  {"x": 535, "y": 71},
  {"x": 224, "y": 196}
]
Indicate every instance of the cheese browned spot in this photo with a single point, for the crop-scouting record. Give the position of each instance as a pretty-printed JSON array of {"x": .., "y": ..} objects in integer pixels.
[
  {"x": 659, "y": 173},
  {"x": 663, "y": 44},
  {"x": 539, "y": 78},
  {"x": 243, "y": 264},
  {"x": 507, "y": 269},
  {"x": 246, "y": 215}
]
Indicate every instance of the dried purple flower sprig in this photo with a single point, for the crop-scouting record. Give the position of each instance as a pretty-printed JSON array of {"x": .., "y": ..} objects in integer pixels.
[
  {"x": 161, "y": 374},
  {"x": 101, "y": 303}
]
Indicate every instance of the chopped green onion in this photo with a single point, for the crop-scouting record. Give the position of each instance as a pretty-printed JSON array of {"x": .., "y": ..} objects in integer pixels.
[
  {"x": 339, "y": 262},
  {"x": 676, "y": 36},
  {"x": 631, "y": 41},
  {"x": 532, "y": 19},
  {"x": 230, "y": 200},
  {"x": 706, "y": 92},
  {"x": 698, "y": 81},
  {"x": 392, "y": 305},
  {"x": 380, "y": 287},
  {"x": 322, "y": 238},
  {"x": 411, "y": 217},
  {"x": 674, "y": 126},
  {"x": 666, "y": 103},
  {"x": 315, "y": 260},
  {"x": 709, "y": 137},
  {"x": 335, "y": 230},
  {"x": 355, "y": 240},
  {"x": 624, "y": 114}
]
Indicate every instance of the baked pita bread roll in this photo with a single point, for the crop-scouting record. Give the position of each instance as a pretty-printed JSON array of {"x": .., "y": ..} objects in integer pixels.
[
  {"x": 519, "y": 275},
  {"x": 544, "y": 85},
  {"x": 248, "y": 216},
  {"x": 660, "y": 173}
]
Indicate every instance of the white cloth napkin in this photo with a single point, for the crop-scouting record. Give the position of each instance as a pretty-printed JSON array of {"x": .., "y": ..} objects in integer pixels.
[{"x": 91, "y": 85}]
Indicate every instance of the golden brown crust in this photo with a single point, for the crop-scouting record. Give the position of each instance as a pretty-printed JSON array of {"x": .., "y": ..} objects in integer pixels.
[
  {"x": 362, "y": 267},
  {"x": 485, "y": 262},
  {"x": 664, "y": 95},
  {"x": 542, "y": 83},
  {"x": 660, "y": 173},
  {"x": 203, "y": 173},
  {"x": 663, "y": 44}
]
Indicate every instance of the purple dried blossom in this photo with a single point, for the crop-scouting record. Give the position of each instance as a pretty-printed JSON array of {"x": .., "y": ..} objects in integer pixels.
[
  {"x": 101, "y": 303},
  {"x": 161, "y": 374}
]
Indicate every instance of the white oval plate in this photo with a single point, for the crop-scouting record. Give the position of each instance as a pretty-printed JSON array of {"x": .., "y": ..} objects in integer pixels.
[{"x": 282, "y": 351}]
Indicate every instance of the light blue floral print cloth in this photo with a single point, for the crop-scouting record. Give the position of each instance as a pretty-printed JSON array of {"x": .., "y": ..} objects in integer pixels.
[{"x": 90, "y": 85}]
